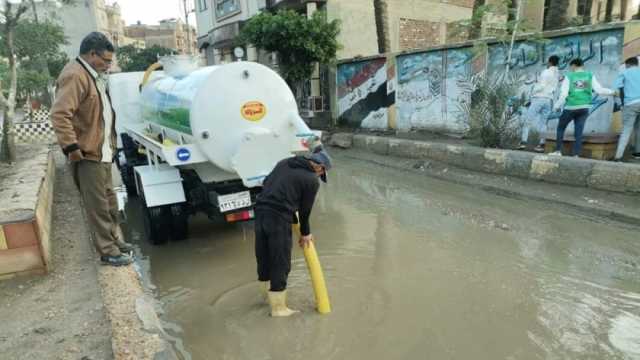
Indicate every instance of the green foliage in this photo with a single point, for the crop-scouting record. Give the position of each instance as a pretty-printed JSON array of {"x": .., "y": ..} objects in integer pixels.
[
  {"x": 40, "y": 60},
  {"x": 38, "y": 40},
  {"x": 131, "y": 58},
  {"x": 492, "y": 116},
  {"x": 300, "y": 42}
]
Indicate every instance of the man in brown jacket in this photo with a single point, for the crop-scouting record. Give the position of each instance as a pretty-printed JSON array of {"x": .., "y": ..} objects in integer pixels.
[{"x": 84, "y": 123}]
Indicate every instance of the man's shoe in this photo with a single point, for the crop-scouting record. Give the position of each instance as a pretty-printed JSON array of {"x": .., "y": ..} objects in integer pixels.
[
  {"x": 522, "y": 146},
  {"x": 555, "y": 153},
  {"x": 120, "y": 260},
  {"x": 539, "y": 148},
  {"x": 636, "y": 155}
]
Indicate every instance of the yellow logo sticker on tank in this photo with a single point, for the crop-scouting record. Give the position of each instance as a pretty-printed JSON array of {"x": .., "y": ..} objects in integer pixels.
[{"x": 253, "y": 111}]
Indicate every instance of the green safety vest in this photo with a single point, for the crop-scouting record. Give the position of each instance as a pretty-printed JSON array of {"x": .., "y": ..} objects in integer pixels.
[{"x": 580, "y": 88}]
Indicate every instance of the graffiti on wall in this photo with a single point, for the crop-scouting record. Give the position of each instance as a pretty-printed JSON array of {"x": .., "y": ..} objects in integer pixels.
[
  {"x": 601, "y": 52},
  {"x": 363, "y": 97},
  {"x": 429, "y": 88}
]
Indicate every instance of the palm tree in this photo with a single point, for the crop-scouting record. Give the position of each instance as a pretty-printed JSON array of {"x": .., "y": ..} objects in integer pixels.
[
  {"x": 556, "y": 16},
  {"x": 586, "y": 15},
  {"x": 382, "y": 25},
  {"x": 608, "y": 13},
  {"x": 476, "y": 20}
]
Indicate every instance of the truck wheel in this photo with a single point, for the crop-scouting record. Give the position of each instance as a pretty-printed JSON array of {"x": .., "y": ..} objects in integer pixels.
[
  {"x": 128, "y": 179},
  {"x": 179, "y": 222},
  {"x": 156, "y": 226}
]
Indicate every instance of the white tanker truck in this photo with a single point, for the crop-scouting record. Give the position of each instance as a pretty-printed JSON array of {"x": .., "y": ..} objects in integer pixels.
[{"x": 206, "y": 139}]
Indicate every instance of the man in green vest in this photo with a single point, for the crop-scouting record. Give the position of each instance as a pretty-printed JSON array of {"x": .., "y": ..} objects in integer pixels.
[{"x": 575, "y": 96}]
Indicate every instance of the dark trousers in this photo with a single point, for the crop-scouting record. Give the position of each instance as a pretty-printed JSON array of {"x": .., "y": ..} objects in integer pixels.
[
  {"x": 273, "y": 248},
  {"x": 579, "y": 118}
]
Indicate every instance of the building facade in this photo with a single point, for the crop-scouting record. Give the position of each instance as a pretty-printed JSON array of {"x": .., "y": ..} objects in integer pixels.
[
  {"x": 92, "y": 12},
  {"x": 219, "y": 23},
  {"x": 411, "y": 24},
  {"x": 169, "y": 33}
]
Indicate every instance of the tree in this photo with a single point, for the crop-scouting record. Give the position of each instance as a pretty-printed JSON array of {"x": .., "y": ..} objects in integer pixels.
[
  {"x": 299, "y": 42},
  {"x": 10, "y": 14},
  {"x": 131, "y": 58},
  {"x": 23, "y": 43},
  {"x": 382, "y": 25},
  {"x": 586, "y": 16},
  {"x": 608, "y": 12},
  {"x": 475, "y": 29},
  {"x": 556, "y": 16}
]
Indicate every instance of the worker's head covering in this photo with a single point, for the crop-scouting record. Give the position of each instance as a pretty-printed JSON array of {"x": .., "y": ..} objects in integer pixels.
[{"x": 321, "y": 157}]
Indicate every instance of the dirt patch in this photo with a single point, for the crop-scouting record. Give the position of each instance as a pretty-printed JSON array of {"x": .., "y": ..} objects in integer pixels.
[{"x": 60, "y": 315}]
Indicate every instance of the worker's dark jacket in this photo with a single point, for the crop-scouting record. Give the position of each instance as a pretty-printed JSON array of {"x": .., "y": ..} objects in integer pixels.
[{"x": 292, "y": 186}]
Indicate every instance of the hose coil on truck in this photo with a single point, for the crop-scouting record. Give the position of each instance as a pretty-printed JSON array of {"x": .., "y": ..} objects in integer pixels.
[{"x": 209, "y": 136}]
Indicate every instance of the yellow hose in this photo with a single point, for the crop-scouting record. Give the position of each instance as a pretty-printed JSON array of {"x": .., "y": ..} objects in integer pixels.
[
  {"x": 317, "y": 277},
  {"x": 147, "y": 74}
]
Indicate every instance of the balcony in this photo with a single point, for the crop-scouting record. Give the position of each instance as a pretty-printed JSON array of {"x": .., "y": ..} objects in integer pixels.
[{"x": 291, "y": 4}]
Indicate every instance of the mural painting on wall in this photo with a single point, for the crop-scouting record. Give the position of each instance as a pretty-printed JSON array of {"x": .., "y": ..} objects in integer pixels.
[
  {"x": 429, "y": 90},
  {"x": 363, "y": 99},
  {"x": 601, "y": 52}
]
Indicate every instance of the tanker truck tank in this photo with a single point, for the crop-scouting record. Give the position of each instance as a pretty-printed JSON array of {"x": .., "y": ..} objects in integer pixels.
[{"x": 210, "y": 136}]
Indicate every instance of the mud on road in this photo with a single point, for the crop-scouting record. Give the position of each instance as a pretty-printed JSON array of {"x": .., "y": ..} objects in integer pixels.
[{"x": 416, "y": 267}]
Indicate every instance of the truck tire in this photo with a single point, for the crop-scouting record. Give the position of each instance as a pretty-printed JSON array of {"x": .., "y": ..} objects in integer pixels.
[
  {"x": 156, "y": 226},
  {"x": 128, "y": 179},
  {"x": 179, "y": 222}
]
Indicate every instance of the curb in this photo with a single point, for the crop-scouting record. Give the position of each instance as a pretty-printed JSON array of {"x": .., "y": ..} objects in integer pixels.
[{"x": 600, "y": 175}]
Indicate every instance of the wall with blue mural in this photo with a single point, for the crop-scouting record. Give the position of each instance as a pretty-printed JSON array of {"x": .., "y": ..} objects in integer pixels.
[
  {"x": 601, "y": 51},
  {"x": 429, "y": 91},
  {"x": 429, "y": 87}
]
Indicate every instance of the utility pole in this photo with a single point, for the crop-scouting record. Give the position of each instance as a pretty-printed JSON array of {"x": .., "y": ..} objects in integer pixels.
[{"x": 186, "y": 21}]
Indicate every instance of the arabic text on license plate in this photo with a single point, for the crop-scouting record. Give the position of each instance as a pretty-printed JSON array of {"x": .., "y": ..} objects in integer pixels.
[{"x": 234, "y": 201}]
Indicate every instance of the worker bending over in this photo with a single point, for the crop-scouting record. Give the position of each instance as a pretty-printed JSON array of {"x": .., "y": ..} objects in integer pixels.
[{"x": 291, "y": 187}]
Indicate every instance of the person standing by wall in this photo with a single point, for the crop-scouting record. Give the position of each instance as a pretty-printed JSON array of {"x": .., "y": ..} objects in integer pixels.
[
  {"x": 629, "y": 82},
  {"x": 84, "y": 123},
  {"x": 575, "y": 96},
  {"x": 541, "y": 103}
]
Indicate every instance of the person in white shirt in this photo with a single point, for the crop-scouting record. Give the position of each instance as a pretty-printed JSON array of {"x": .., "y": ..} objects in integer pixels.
[
  {"x": 541, "y": 102},
  {"x": 576, "y": 95}
]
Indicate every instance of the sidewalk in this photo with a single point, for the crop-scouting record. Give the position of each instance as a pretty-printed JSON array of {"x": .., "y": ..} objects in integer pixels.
[
  {"x": 617, "y": 206},
  {"x": 59, "y": 315}
]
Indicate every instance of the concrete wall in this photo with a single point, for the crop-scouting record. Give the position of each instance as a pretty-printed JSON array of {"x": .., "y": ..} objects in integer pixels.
[
  {"x": 25, "y": 232},
  {"x": 358, "y": 32},
  {"x": 430, "y": 89},
  {"x": 412, "y": 23},
  {"x": 424, "y": 15},
  {"x": 364, "y": 94}
]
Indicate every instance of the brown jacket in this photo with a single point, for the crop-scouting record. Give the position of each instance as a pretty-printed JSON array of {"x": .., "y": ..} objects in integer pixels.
[{"x": 76, "y": 113}]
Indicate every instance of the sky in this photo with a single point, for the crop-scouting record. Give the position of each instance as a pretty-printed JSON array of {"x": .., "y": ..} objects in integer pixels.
[{"x": 151, "y": 11}]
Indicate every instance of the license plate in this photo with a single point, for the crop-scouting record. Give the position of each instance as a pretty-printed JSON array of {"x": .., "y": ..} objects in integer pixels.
[{"x": 234, "y": 201}]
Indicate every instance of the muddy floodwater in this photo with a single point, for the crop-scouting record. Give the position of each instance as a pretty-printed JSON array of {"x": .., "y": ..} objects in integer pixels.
[{"x": 416, "y": 268}]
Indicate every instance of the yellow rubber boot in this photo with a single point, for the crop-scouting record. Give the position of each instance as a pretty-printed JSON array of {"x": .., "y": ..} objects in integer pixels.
[{"x": 278, "y": 302}]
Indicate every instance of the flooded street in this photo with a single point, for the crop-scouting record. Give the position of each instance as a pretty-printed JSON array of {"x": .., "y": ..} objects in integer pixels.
[{"x": 416, "y": 268}]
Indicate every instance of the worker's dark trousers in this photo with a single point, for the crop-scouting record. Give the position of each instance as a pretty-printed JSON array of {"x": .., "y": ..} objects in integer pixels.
[{"x": 273, "y": 248}]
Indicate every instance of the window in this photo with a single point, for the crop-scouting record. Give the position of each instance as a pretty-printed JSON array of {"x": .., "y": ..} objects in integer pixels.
[
  {"x": 226, "y": 7},
  {"x": 202, "y": 5}
]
